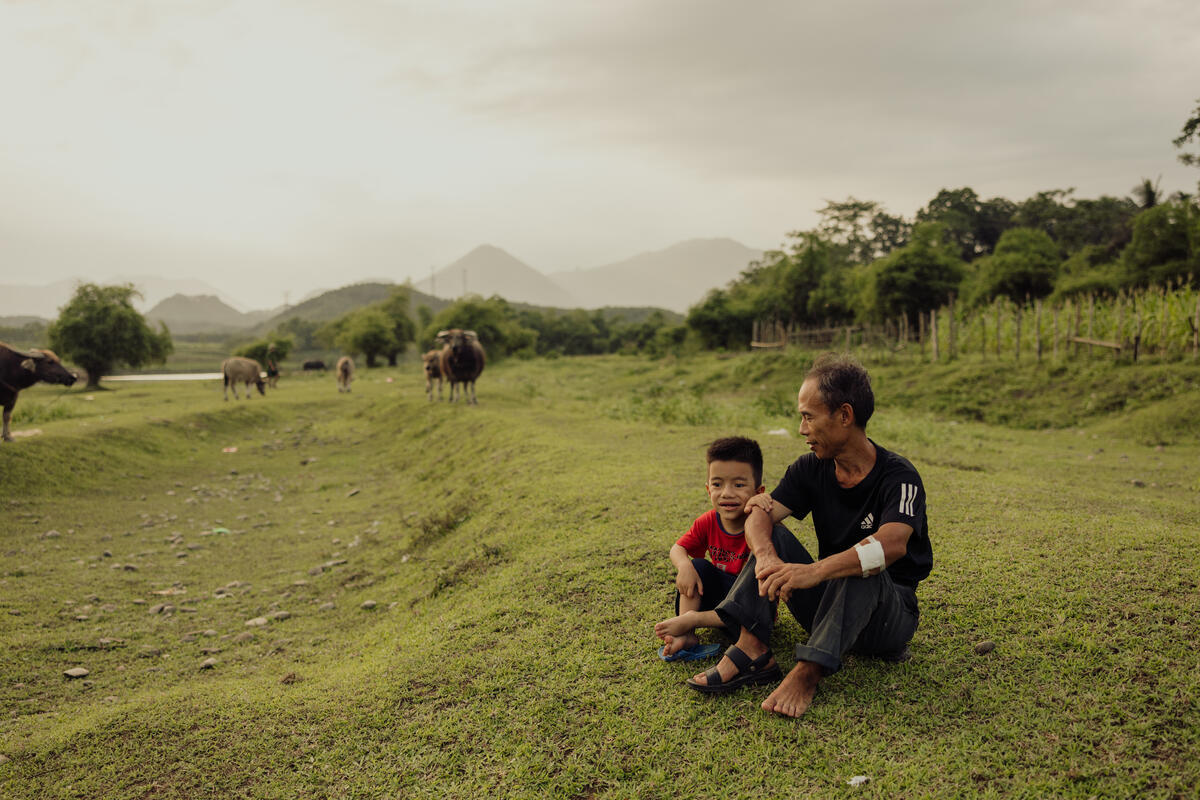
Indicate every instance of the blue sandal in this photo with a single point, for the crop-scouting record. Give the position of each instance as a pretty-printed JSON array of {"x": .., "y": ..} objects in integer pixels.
[
  {"x": 750, "y": 673},
  {"x": 697, "y": 652}
]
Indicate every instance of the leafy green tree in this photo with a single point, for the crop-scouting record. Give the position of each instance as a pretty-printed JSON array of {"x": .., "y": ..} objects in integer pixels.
[
  {"x": 917, "y": 277},
  {"x": 859, "y": 231},
  {"x": 1089, "y": 270},
  {"x": 720, "y": 323},
  {"x": 302, "y": 332},
  {"x": 99, "y": 329},
  {"x": 958, "y": 212},
  {"x": 1147, "y": 193},
  {"x": 258, "y": 350},
  {"x": 1049, "y": 211},
  {"x": 1165, "y": 243},
  {"x": 494, "y": 321},
  {"x": 1025, "y": 264},
  {"x": 367, "y": 331},
  {"x": 1190, "y": 133},
  {"x": 404, "y": 330}
]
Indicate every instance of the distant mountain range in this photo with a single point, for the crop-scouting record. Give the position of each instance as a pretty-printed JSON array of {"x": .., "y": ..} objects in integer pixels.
[
  {"x": 204, "y": 313},
  {"x": 675, "y": 278},
  {"x": 672, "y": 279},
  {"x": 488, "y": 270},
  {"x": 45, "y": 301}
]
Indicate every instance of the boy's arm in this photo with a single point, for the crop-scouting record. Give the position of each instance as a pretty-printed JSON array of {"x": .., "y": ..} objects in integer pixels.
[{"x": 687, "y": 580}]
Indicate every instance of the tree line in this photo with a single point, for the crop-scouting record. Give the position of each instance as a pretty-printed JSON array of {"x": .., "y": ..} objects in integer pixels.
[{"x": 861, "y": 264}]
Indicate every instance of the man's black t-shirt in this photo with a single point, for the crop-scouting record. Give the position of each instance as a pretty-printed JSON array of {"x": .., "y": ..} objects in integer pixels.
[{"x": 891, "y": 492}]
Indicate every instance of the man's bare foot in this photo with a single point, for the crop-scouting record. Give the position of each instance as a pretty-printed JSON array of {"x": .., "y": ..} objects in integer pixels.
[
  {"x": 673, "y": 644},
  {"x": 675, "y": 626},
  {"x": 727, "y": 669},
  {"x": 795, "y": 693}
]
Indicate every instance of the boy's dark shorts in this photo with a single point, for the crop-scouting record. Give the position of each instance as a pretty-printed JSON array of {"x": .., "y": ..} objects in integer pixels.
[{"x": 716, "y": 583}]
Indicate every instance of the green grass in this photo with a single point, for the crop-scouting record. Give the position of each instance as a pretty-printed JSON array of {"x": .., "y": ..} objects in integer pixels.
[{"x": 516, "y": 557}]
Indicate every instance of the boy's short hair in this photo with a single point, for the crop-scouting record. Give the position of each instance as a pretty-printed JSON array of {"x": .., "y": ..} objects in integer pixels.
[
  {"x": 841, "y": 379},
  {"x": 741, "y": 449}
]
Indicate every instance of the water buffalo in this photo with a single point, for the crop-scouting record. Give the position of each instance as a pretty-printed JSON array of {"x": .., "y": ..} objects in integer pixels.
[
  {"x": 242, "y": 370},
  {"x": 345, "y": 373},
  {"x": 432, "y": 362},
  {"x": 20, "y": 370},
  {"x": 462, "y": 360},
  {"x": 314, "y": 365}
]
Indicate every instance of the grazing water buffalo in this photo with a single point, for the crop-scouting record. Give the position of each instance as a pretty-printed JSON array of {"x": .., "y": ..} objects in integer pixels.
[
  {"x": 20, "y": 370},
  {"x": 314, "y": 365},
  {"x": 462, "y": 360},
  {"x": 345, "y": 373},
  {"x": 432, "y": 362},
  {"x": 242, "y": 370}
]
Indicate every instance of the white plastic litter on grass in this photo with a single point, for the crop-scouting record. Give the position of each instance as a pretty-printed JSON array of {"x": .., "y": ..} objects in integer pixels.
[
  {"x": 778, "y": 432},
  {"x": 858, "y": 780}
]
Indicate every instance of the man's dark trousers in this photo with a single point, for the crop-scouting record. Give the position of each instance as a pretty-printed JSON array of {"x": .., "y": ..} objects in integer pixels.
[{"x": 872, "y": 616}]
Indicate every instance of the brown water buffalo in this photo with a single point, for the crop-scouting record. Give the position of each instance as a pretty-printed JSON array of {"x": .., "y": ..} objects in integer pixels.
[
  {"x": 242, "y": 370},
  {"x": 345, "y": 373},
  {"x": 432, "y": 362},
  {"x": 462, "y": 360},
  {"x": 20, "y": 370}
]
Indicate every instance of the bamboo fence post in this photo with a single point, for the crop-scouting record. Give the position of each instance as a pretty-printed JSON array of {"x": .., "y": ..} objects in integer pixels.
[
  {"x": 1137, "y": 336},
  {"x": 1075, "y": 328},
  {"x": 1120, "y": 338},
  {"x": 921, "y": 332},
  {"x": 1037, "y": 330},
  {"x": 1054, "y": 336},
  {"x": 1162, "y": 323},
  {"x": 950, "y": 329},
  {"x": 1017, "y": 353},
  {"x": 997, "y": 328},
  {"x": 933, "y": 332},
  {"x": 1091, "y": 319}
]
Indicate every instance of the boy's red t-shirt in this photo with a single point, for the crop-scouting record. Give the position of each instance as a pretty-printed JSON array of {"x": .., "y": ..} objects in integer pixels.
[{"x": 727, "y": 551}]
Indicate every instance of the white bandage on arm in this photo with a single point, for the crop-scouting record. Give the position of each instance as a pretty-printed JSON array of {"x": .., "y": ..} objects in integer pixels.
[{"x": 870, "y": 555}]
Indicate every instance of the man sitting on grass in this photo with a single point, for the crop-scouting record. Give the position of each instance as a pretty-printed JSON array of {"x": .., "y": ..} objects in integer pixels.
[
  {"x": 868, "y": 509},
  {"x": 735, "y": 467}
]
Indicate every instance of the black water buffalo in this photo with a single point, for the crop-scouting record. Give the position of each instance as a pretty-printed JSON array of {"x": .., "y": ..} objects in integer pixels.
[
  {"x": 314, "y": 365},
  {"x": 462, "y": 360},
  {"x": 20, "y": 370}
]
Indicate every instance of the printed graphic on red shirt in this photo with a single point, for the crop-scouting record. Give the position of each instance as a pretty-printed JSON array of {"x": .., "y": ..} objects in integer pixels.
[{"x": 727, "y": 552}]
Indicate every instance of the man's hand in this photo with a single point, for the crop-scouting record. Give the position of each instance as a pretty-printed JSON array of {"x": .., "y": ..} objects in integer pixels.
[
  {"x": 687, "y": 581},
  {"x": 778, "y": 580},
  {"x": 762, "y": 500}
]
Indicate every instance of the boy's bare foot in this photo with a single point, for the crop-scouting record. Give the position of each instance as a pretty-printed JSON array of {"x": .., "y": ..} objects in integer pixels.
[
  {"x": 675, "y": 626},
  {"x": 673, "y": 644},
  {"x": 795, "y": 693}
]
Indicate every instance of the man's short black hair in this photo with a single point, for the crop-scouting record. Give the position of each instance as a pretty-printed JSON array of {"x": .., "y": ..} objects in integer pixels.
[
  {"x": 741, "y": 449},
  {"x": 841, "y": 379}
]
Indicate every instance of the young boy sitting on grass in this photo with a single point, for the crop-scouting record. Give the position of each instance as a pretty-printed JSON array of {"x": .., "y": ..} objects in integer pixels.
[{"x": 735, "y": 466}]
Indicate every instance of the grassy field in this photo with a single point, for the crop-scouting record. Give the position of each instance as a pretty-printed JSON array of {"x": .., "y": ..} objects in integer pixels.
[{"x": 374, "y": 596}]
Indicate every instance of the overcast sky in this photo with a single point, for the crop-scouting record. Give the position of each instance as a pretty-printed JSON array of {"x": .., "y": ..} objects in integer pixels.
[{"x": 282, "y": 146}]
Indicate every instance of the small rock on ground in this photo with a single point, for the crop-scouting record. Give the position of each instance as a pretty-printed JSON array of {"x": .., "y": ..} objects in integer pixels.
[
  {"x": 368, "y": 605},
  {"x": 77, "y": 672},
  {"x": 985, "y": 647}
]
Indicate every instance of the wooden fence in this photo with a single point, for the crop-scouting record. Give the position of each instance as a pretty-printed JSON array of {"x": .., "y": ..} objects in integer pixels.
[{"x": 1160, "y": 323}]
